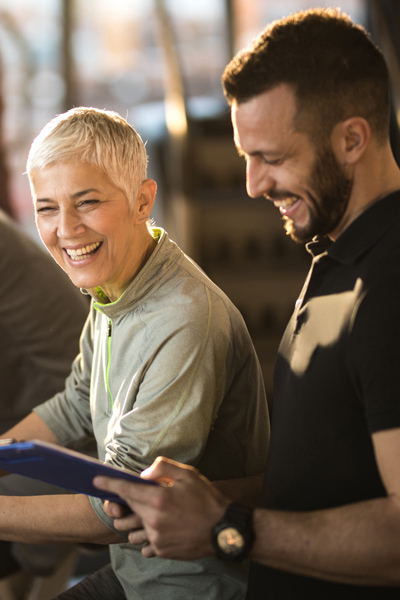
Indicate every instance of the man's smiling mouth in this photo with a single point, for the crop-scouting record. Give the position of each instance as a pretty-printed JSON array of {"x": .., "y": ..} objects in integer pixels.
[
  {"x": 84, "y": 252},
  {"x": 286, "y": 203}
]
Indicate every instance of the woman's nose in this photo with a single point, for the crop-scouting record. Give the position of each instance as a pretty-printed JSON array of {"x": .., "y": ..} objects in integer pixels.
[{"x": 69, "y": 223}]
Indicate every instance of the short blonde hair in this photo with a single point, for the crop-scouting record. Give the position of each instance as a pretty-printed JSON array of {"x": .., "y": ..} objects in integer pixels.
[{"x": 101, "y": 138}]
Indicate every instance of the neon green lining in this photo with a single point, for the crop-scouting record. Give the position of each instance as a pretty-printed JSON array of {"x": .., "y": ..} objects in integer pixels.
[
  {"x": 108, "y": 353},
  {"x": 109, "y": 361},
  {"x": 101, "y": 294},
  {"x": 156, "y": 234}
]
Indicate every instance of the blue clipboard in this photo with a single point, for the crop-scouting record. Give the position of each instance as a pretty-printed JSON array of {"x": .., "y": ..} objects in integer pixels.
[{"x": 60, "y": 466}]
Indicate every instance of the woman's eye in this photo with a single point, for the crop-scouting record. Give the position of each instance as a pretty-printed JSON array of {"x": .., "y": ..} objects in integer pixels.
[
  {"x": 88, "y": 202},
  {"x": 44, "y": 209}
]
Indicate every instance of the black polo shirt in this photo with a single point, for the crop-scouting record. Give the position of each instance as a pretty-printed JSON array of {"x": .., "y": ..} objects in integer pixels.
[{"x": 336, "y": 381}]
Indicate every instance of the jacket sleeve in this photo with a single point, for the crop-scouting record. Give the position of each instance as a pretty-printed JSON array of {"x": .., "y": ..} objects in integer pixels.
[{"x": 191, "y": 366}]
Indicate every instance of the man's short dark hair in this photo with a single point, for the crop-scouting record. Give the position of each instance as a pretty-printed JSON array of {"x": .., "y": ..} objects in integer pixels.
[{"x": 334, "y": 68}]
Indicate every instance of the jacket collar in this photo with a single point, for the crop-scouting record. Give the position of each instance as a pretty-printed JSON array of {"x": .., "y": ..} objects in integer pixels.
[{"x": 146, "y": 281}]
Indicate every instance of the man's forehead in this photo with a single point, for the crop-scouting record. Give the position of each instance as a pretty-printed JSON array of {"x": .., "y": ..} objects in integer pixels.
[
  {"x": 271, "y": 112},
  {"x": 281, "y": 95}
]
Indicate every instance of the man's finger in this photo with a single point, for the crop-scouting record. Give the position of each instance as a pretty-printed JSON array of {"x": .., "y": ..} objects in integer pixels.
[
  {"x": 148, "y": 551},
  {"x": 128, "y": 523},
  {"x": 138, "y": 537},
  {"x": 116, "y": 486},
  {"x": 113, "y": 509},
  {"x": 167, "y": 470}
]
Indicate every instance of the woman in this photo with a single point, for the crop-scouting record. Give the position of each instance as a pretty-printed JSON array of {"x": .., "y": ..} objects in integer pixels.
[{"x": 166, "y": 363}]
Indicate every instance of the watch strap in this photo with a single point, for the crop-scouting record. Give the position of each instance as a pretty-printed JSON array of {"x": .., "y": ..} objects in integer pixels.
[{"x": 238, "y": 518}]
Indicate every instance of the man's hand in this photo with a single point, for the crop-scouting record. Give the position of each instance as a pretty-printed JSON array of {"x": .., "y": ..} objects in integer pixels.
[
  {"x": 125, "y": 520},
  {"x": 177, "y": 515}
]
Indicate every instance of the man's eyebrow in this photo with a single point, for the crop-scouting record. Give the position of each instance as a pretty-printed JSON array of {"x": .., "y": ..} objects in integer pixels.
[{"x": 267, "y": 153}]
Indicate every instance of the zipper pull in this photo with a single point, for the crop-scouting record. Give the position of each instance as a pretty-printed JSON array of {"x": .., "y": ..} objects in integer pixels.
[{"x": 109, "y": 329}]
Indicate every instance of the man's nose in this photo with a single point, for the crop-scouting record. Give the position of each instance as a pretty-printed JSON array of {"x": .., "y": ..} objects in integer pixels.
[{"x": 259, "y": 179}]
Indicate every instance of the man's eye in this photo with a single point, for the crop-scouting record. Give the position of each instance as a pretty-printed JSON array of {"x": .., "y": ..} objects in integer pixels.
[{"x": 271, "y": 161}]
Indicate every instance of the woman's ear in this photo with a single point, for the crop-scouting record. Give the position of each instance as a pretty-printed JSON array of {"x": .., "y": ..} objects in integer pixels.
[
  {"x": 145, "y": 199},
  {"x": 350, "y": 139}
]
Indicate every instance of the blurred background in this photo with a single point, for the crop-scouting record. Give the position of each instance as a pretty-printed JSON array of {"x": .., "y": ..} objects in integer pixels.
[{"x": 159, "y": 64}]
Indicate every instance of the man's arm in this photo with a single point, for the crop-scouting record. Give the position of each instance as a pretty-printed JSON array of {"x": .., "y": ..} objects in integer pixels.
[{"x": 356, "y": 544}]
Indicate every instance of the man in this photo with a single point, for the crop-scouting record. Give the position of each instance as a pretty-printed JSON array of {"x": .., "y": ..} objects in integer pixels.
[{"x": 310, "y": 112}]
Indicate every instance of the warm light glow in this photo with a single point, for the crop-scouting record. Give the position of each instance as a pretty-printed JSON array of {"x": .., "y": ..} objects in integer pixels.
[{"x": 175, "y": 115}]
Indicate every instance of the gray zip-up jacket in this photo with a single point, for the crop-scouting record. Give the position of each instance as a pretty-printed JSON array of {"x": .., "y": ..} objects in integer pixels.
[{"x": 168, "y": 369}]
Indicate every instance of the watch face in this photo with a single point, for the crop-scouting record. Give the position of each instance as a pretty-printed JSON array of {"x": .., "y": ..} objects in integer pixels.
[{"x": 230, "y": 540}]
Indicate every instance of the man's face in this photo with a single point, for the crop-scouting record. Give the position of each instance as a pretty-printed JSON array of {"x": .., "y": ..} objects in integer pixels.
[{"x": 303, "y": 180}]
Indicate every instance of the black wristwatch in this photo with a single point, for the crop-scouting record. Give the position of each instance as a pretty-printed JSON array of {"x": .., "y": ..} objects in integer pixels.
[{"x": 233, "y": 537}]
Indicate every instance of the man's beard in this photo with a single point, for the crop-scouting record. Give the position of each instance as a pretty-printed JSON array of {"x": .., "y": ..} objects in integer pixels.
[{"x": 333, "y": 190}]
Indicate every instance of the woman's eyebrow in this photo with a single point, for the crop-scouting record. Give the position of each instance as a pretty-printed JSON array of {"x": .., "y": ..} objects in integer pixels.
[
  {"x": 74, "y": 196},
  {"x": 84, "y": 192}
]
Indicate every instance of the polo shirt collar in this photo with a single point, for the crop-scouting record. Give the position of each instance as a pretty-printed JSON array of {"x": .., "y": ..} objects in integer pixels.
[{"x": 362, "y": 234}]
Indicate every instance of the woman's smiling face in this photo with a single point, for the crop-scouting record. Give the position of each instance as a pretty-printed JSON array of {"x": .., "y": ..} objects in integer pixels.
[{"x": 87, "y": 224}]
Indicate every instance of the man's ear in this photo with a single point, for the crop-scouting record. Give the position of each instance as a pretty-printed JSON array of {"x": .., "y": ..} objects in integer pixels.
[
  {"x": 145, "y": 199},
  {"x": 350, "y": 138}
]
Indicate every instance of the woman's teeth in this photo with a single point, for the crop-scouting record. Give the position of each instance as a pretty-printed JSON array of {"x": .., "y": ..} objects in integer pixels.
[{"x": 82, "y": 253}]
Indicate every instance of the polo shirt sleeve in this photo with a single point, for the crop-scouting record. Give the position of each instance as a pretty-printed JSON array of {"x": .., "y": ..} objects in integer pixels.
[{"x": 374, "y": 353}]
